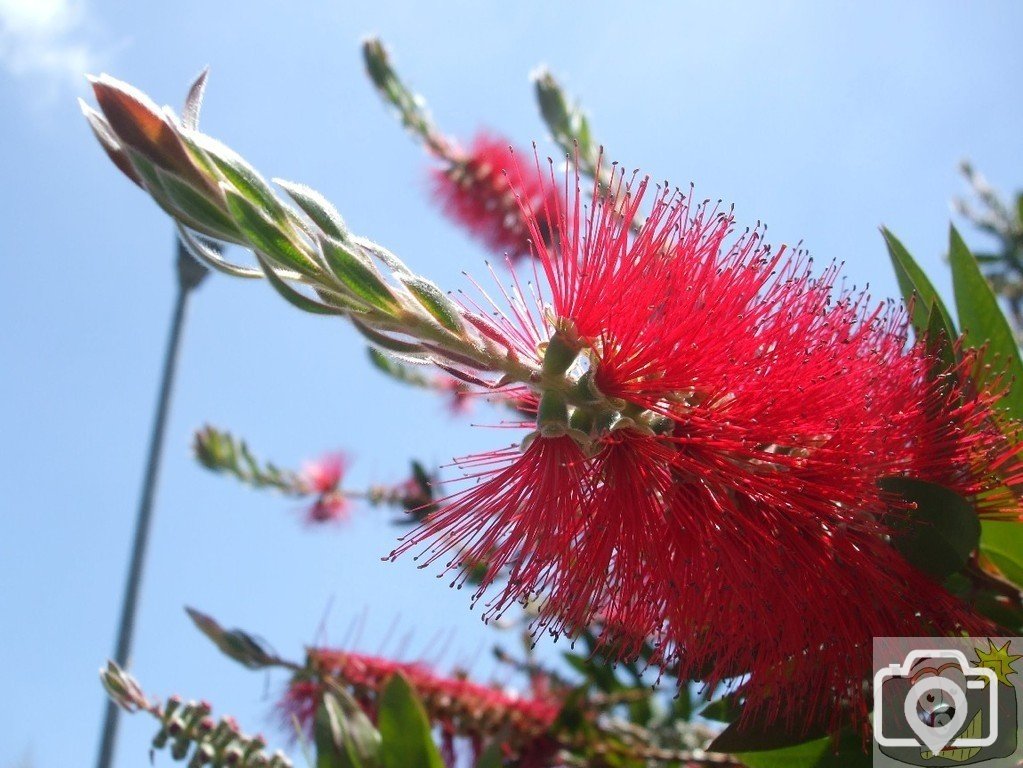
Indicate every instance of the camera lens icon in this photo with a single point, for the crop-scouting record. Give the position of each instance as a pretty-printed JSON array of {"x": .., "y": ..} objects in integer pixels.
[
  {"x": 934, "y": 711},
  {"x": 940, "y": 707},
  {"x": 936, "y": 707}
]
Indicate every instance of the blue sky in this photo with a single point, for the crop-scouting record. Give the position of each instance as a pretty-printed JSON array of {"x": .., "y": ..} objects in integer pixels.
[{"x": 825, "y": 120}]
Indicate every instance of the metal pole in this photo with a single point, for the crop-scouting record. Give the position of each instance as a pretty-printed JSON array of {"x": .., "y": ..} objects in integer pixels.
[{"x": 189, "y": 273}]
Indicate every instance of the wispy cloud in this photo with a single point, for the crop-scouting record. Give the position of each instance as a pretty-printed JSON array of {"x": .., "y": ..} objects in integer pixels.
[{"x": 47, "y": 40}]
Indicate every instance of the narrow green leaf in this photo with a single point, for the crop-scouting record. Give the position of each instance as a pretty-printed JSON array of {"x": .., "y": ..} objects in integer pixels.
[
  {"x": 215, "y": 221},
  {"x": 387, "y": 342},
  {"x": 358, "y": 276},
  {"x": 344, "y": 736},
  {"x": 331, "y": 749},
  {"x": 266, "y": 236},
  {"x": 940, "y": 343},
  {"x": 233, "y": 643},
  {"x": 317, "y": 208},
  {"x": 984, "y": 323},
  {"x": 154, "y": 186},
  {"x": 212, "y": 258},
  {"x": 405, "y": 729},
  {"x": 342, "y": 301},
  {"x": 913, "y": 282},
  {"x": 441, "y": 308},
  {"x": 403, "y": 373},
  {"x": 243, "y": 177},
  {"x": 294, "y": 297},
  {"x": 943, "y": 530}
]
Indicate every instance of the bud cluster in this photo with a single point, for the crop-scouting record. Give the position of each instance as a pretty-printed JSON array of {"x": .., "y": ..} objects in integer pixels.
[{"x": 188, "y": 731}]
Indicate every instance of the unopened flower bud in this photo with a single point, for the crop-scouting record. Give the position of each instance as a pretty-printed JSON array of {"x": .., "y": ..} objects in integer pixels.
[
  {"x": 203, "y": 754},
  {"x": 180, "y": 748}
]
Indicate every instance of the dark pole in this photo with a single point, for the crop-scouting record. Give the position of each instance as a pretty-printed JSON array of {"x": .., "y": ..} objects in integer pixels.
[{"x": 190, "y": 273}]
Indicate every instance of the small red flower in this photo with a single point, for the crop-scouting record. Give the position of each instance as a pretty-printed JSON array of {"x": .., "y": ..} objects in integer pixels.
[
  {"x": 457, "y": 705},
  {"x": 323, "y": 477},
  {"x": 712, "y": 482},
  {"x": 482, "y": 190}
]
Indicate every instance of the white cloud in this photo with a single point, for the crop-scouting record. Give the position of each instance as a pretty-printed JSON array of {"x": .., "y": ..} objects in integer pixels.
[{"x": 47, "y": 39}]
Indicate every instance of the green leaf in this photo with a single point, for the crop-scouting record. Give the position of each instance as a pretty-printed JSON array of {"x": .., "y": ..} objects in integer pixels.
[
  {"x": 358, "y": 275},
  {"x": 195, "y": 205},
  {"x": 387, "y": 342},
  {"x": 405, "y": 729},
  {"x": 441, "y": 308},
  {"x": 724, "y": 709},
  {"x": 942, "y": 531},
  {"x": 847, "y": 752},
  {"x": 917, "y": 290},
  {"x": 404, "y": 373},
  {"x": 234, "y": 643},
  {"x": 984, "y": 323},
  {"x": 152, "y": 183},
  {"x": 805, "y": 755},
  {"x": 266, "y": 236},
  {"x": 243, "y": 177},
  {"x": 940, "y": 344},
  {"x": 294, "y": 297},
  {"x": 344, "y": 736},
  {"x": 1003, "y": 543},
  {"x": 317, "y": 208}
]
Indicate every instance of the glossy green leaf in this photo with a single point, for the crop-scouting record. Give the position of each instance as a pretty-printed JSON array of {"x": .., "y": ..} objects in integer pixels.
[
  {"x": 266, "y": 236},
  {"x": 317, "y": 208},
  {"x": 724, "y": 709},
  {"x": 984, "y": 323},
  {"x": 432, "y": 299},
  {"x": 806, "y": 755},
  {"x": 764, "y": 737},
  {"x": 847, "y": 751},
  {"x": 405, "y": 728},
  {"x": 940, "y": 533},
  {"x": 1003, "y": 543},
  {"x": 344, "y": 736},
  {"x": 917, "y": 290},
  {"x": 358, "y": 275}
]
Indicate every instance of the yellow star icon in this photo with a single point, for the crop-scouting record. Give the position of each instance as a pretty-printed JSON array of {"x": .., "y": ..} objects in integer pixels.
[{"x": 998, "y": 660}]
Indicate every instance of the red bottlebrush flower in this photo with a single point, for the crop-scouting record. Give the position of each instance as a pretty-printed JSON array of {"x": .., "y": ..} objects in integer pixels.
[
  {"x": 481, "y": 190},
  {"x": 458, "y": 706},
  {"x": 323, "y": 477},
  {"x": 713, "y": 423}
]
